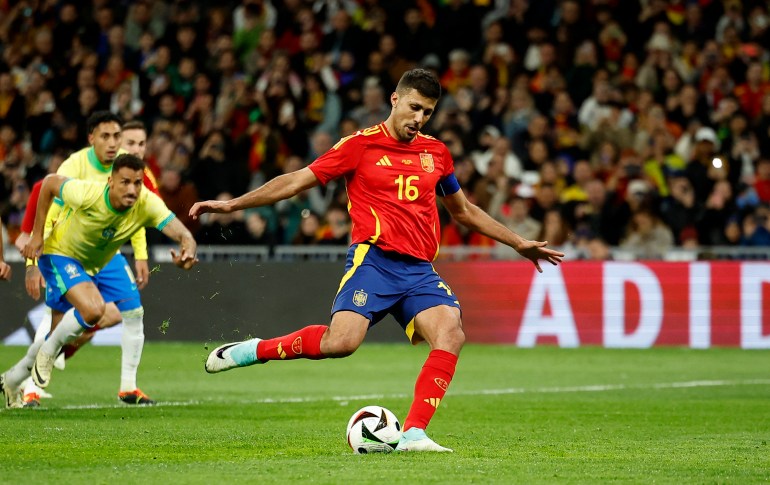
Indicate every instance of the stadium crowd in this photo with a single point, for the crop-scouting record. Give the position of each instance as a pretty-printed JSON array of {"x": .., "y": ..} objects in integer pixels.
[{"x": 639, "y": 124}]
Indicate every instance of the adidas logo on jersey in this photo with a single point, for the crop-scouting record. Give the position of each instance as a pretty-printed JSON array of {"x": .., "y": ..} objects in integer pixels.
[
  {"x": 433, "y": 401},
  {"x": 384, "y": 162}
]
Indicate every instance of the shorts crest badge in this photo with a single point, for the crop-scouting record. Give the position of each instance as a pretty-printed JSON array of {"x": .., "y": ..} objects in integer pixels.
[
  {"x": 426, "y": 161},
  {"x": 71, "y": 270},
  {"x": 359, "y": 298}
]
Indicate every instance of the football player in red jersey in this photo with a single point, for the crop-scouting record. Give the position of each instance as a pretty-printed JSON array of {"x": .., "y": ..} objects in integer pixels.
[{"x": 393, "y": 174}]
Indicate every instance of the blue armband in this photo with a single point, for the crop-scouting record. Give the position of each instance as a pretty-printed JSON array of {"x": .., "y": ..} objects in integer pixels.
[{"x": 448, "y": 185}]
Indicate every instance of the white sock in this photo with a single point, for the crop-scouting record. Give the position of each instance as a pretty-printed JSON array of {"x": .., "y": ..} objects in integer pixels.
[
  {"x": 66, "y": 331},
  {"x": 44, "y": 327},
  {"x": 131, "y": 344},
  {"x": 16, "y": 375}
]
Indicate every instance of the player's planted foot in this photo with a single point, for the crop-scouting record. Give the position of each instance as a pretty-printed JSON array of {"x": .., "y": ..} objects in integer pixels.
[
  {"x": 415, "y": 439},
  {"x": 12, "y": 395},
  {"x": 135, "y": 397},
  {"x": 31, "y": 400},
  {"x": 41, "y": 371},
  {"x": 234, "y": 354}
]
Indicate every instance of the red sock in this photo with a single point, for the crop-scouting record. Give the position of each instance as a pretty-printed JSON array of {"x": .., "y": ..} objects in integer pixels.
[
  {"x": 302, "y": 344},
  {"x": 71, "y": 348},
  {"x": 430, "y": 388}
]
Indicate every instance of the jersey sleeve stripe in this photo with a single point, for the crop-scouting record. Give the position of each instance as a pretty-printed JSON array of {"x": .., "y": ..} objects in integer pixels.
[
  {"x": 166, "y": 221},
  {"x": 61, "y": 191}
]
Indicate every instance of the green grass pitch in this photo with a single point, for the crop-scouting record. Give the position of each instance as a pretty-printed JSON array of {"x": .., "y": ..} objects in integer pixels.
[{"x": 542, "y": 415}]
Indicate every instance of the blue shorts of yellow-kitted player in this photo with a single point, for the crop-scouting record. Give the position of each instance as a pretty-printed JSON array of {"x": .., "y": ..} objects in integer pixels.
[
  {"x": 115, "y": 281},
  {"x": 377, "y": 282}
]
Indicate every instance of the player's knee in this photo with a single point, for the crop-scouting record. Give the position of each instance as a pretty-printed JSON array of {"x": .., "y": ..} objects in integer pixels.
[
  {"x": 93, "y": 311},
  {"x": 341, "y": 346},
  {"x": 457, "y": 336}
]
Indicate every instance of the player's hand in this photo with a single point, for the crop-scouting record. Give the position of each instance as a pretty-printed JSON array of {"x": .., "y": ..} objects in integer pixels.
[
  {"x": 537, "y": 250},
  {"x": 142, "y": 273},
  {"x": 186, "y": 260},
  {"x": 5, "y": 271},
  {"x": 215, "y": 206},
  {"x": 33, "y": 281},
  {"x": 21, "y": 241},
  {"x": 33, "y": 247}
]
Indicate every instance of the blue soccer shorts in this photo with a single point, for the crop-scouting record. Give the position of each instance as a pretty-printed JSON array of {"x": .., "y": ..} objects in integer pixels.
[
  {"x": 115, "y": 281},
  {"x": 377, "y": 282}
]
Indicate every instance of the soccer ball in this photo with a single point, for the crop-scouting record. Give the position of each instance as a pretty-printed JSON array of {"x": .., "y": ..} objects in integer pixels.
[{"x": 373, "y": 429}]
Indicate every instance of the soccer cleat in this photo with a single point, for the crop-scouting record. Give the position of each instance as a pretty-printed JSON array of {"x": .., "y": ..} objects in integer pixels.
[
  {"x": 135, "y": 397},
  {"x": 12, "y": 396},
  {"x": 42, "y": 369},
  {"x": 415, "y": 439},
  {"x": 234, "y": 354},
  {"x": 31, "y": 400}
]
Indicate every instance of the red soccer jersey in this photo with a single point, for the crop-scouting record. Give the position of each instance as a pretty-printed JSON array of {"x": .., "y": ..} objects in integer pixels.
[
  {"x": 150, "y": 182},
  {"x": 29, "y": 212},
  {"x": 391, "y": 188}
]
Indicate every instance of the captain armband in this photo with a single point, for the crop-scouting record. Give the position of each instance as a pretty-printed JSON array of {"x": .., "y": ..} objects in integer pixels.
[{"x": 447, "y": 186}]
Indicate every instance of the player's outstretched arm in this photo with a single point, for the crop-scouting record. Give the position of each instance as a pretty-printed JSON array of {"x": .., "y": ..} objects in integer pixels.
[
  {"x": 283, "y": 187},
  {"x": 472, "y": 217},
  {"x": 187, "y": 246},
  {"x": 52, "y": 184}
]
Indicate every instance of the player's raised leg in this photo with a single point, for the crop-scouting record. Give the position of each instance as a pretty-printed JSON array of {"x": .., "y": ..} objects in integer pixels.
[
  {"x": 441, "y": 328},
  {"x": 340, "y": 339}
]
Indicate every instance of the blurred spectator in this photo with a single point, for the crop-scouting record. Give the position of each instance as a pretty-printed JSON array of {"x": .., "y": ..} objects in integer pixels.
[
  {"x": 223, "y": 229},
  {"x": 214, "y": 172},
  {"x": 308, "y": 231},
  {"x": 179, "y": 195},
  {"x": 12, "y": 110},
  {"x": 261, "y": 226},
  {"x": 336, "y": 228},
  {"x": 598, "y": 250},
  {"x": 373, "y": 109},
  {"x": 648, "y": 237}
]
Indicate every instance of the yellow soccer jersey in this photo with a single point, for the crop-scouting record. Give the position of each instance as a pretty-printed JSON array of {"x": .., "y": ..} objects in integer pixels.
[
  {"x": 85, "y": 165},
  {"x": 91, "y": 230}
]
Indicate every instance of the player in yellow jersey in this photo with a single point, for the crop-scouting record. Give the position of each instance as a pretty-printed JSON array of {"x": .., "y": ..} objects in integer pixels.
[
  {"x": 116, "y": 281},
  {"x": 133, "y": 141},
  {"x": 97, "y": 219}
]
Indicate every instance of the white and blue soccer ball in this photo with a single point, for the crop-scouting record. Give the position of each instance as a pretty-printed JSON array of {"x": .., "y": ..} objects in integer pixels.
[{"x": 373, "y": 429}]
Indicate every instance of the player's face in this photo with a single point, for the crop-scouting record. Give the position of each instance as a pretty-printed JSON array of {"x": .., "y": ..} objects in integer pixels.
[
  {"x": 135, "y": 142},
  {"x": 106, "y": 140},
  {"x": 125, "y": 187},
  {"x": 410, "y": 113}
]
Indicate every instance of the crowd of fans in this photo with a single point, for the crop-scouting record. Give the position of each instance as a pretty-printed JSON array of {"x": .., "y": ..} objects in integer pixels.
[{"x": 639, "y": 124}]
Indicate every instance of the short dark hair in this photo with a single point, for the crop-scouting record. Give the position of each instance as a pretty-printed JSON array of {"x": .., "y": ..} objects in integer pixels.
[
  {"x": 127, "y": 160},
  {"x": 134, "y": 125},
  {"x": 422, "y": 80},
  {"x": 99, "y": 117}
]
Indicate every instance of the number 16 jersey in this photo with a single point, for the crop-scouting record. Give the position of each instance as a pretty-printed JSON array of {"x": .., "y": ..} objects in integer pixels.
[{"x": 391, "y": 188}]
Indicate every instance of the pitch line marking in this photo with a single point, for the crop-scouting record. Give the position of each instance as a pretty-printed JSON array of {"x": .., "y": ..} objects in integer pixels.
[{"x": 479, "y": 392}]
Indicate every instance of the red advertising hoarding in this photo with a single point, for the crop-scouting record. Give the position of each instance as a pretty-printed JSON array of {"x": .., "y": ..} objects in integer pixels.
[{"x": 614, "y": 304}]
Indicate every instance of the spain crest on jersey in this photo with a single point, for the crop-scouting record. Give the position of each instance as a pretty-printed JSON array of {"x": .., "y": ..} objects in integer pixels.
[
  {"x": 426, "y": 161},
  {"x": 359, "y": 298}
]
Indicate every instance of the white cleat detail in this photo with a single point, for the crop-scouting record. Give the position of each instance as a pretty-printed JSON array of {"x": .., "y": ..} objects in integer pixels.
[
  {"x": 13, "y": 397},
  {"x": 221, "y": 358},
  {"x": 415, "y": 439},
  {"x": 41, "y": 371}
]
